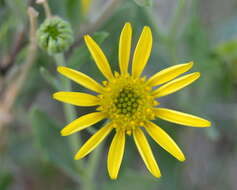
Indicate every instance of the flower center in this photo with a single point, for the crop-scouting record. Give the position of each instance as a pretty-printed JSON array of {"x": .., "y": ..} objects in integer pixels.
[
  {"x": 127, "y": 102},
  {"x": 53, "y": 32}
]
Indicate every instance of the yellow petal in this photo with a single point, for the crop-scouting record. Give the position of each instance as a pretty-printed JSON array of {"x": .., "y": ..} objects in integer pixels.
[
  {"x": 115, "y": 154},
  {"x": 82, "y": 123},
  {"x": 99, "y": 57},
  {"x": 164, "y": 140},
  {"x": 169, "y": 74},
  {"x": 85, "y": 6},
  {"x": 125, "y": 47},
  {"x": 142, "y": 52},
  {"x": 93, "y": 141},
  {"x": 182, "y": 118},
  {"x": 81, "y": 78},
  {"x": 146, "y": 152},
  {"x": 76, "y": 98},
  {"x": 176, "y": 84}
]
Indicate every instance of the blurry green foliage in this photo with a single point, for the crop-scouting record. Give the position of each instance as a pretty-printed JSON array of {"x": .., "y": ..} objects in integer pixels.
[
  {"x": 144, "y": 3},
  {"x": 52, "y": 145},
  {"x": 213, "y": 49},
  {"x": 6, "y": 180}
]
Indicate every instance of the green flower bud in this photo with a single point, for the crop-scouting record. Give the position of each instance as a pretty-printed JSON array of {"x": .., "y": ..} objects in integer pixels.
[{"x": 54, "y": 35}]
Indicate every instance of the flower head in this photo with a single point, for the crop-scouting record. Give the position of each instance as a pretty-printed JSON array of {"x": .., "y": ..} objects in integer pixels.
[
  {"x": 129, "y": 102},
  {"x": 54, "y": 35}
]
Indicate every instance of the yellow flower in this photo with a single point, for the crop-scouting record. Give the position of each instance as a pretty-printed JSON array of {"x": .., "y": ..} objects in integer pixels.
[
  {"x": 85, "y": 6},
  {"x": 129, "y": 102}
]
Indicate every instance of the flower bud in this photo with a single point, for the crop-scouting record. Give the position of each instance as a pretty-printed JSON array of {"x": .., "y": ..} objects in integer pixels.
[{"x": 54, "y": 35}]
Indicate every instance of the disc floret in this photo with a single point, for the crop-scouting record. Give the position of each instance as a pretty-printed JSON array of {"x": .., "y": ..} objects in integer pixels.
[{"x": 128, "y": 102}]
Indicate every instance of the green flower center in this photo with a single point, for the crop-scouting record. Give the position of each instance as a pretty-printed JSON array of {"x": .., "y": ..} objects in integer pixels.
[
  {"x": 127, "y": 102},
  {"x": 52, "y": 31}
]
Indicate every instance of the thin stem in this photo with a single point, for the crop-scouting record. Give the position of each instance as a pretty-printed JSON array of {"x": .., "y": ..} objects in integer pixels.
[
  {"x": 153, "y": 21},
  {"x": 13, "y": 90},
  {"x": 46, "y": 7},
  {"x": 69, "y": 110},
  {"x": 91, "y": 169},
  {"x": 172, "y": 42}
]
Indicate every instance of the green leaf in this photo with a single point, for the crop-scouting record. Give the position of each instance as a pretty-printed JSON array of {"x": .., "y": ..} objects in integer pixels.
[
  {"x": 49, "y": 78},
  {"x": 227, "y": 50},
  {"x": 52, "y": 145},
  {"x": 144, "y": 3},
  {"x": 136, "y": 179},
  {"x": 6, "y": 180},
  {"x": 100, "y": 36}
]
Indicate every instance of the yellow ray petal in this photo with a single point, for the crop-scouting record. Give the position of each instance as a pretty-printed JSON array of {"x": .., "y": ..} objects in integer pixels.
[
  {"x": 169, "y": 74},
  {"x": 142, "y": 52},
  {"x": 176, "y": 84},
  {"x": 164, "y": 140},
  {"x": 81, "y": 78},
  {"x": 125, "y": 47},
  {"x": 115, "y": 154},
  {"x": 85, "y": 6},
  {"x": 93, "y": 141},
  {"x": 182, "y": 118},
  {"x": 76, "y": 98},
  {"x": 99, "y": 57},
  {"x": 146, "y": 152},
  {"x": 82, "y": 123}
]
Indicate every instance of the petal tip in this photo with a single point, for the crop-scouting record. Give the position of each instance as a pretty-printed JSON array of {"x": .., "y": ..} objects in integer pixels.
[
  {"x": 157, "y": 175},
  {"x": 86, "y": 37},
  {"x": 113, "y": 177},
  {"x": 60, "y": 69},
  {"x": 197, "y": 74},
  {"x": 64, "y": 132},
  {"x": 127, "y": 24},
  {"x": 208, "y": 124},
  {"x": 55, "y": 95},
  {"x": 182, "y": 158},
  {"x": 78, "y": 156}
]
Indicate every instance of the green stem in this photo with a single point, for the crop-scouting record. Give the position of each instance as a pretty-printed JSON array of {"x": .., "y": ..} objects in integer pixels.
[
  {"x": 153, "y": 21},
  {"x": 92, "y": 165},
  {"x": 69, "y": 110},
  {"x": 172, "y": 42}
]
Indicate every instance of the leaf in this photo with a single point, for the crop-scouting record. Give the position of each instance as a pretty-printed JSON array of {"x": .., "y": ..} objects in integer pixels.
[
  {"x": 51, "y": 143},
  {"x": 6, "y": 179},
  {"x": 137, "y": 180},
  {"x": 49, "y": 78},
  {"x": 99, "y": 37},
  {"x": 144, "y": 3},
  {"x": 227, "y": 50}
]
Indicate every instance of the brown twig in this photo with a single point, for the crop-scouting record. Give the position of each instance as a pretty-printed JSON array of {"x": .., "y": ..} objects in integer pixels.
[
  {"x": 105, "y": 15},
  {"x": 16, "y": 47},
  {"x": 12, "y": 91},
  {"x": 8, "y": 60}
]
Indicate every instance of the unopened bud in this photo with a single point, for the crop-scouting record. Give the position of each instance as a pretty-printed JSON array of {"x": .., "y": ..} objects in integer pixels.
[{"x": 55, "y": 35}]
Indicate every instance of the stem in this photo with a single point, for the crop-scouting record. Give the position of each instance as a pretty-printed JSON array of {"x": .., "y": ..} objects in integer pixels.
[
  {"x": 92, "y": 165},
  {"x": 69, "y": 110},
  {"x": 75, "y": 141},
  {"x": 153, "y": 21},
  {"x": 172, "y": 42}
]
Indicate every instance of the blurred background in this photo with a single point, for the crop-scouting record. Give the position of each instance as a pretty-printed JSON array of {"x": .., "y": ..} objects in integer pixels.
[{"x": 33, "y": 155}]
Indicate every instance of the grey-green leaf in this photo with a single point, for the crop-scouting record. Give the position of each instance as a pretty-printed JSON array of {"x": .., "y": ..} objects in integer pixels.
[
  {"x": 51, "y": 144},
  {"x": 144, "y": 3}
]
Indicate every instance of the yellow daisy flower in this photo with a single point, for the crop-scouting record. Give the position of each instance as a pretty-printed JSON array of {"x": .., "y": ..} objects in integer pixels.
[{"x": 128, "y": 102}]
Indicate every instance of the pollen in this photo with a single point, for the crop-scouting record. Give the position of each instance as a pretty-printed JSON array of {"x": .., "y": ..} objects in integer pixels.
[{"x": 128, "y": 102}]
